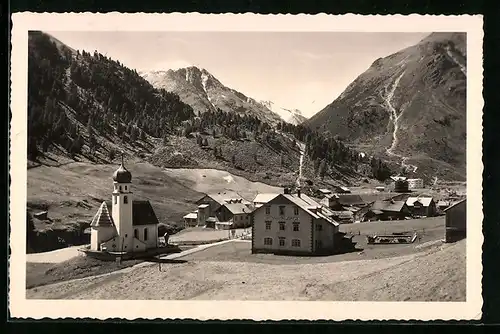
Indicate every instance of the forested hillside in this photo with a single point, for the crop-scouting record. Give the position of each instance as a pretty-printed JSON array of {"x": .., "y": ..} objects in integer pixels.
[
  {"x": 99, "y": 92},
  {"x": 86, "y": 106}
]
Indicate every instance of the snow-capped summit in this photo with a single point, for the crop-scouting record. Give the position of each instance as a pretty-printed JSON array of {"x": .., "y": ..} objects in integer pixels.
[{"x": 204, "y": 92}]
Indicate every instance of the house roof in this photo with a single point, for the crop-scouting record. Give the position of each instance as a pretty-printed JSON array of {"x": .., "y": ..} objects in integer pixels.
[
  {"x": 224, "y": 197},
  {"x": 362, "y": 199},
  {"x": 238, "y": 208},
  {"x": 142, "y": 213},
  {"x": 102, "y": 217},
  {"x": 426, "y": 201},
  {"x": 343, "y": 214},
  {"x": 455, "y": 204},
  {"x": 211, "y": 220},
  {"x": 388, "y": 206},
  {"x": 202, "y": 206},
  {"x": 310, "y": 206},
  {"x": 191, "y": 215},
  {"x": 324, "y": 191},
  {"x": 264, "y": 197}
]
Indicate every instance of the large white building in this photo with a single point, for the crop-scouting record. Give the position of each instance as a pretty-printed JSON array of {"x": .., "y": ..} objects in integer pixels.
[
  {"x": 293, "y": 224},
  {"x": 132, "y": 225}
]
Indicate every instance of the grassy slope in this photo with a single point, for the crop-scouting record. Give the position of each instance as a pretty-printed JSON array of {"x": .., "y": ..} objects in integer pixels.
[{"x": 74, "y": 191}]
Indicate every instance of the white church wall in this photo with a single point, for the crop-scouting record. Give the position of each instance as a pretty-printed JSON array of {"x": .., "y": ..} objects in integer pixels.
[
  {"x": 100, "y": 235},
  {"x": 139, "y": 246},
  {"x": 152, "y": 235}
]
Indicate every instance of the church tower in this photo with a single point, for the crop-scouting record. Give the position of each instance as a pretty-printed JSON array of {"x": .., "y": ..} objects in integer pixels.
[{"x": 122, "y": 208}]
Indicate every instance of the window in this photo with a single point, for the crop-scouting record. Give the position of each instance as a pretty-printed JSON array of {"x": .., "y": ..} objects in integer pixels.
[
  {"x": 115, "y": 199},
  {"x": 268, "y": 225},
  {"x": 268, "y": 241},
  {"x": 282, "y": 210},
  {"x": 268, "y": 210},
  {"x": 319, "y": 227},
  {"x": 282, "y": 226},
  {"x": 125, "y": 188},
  {"x": 120, "y": 188},
  {"x": 145, "y": 233},
  {"x": 295, "y": 242},
  {"x": 319, "y": 244},
  {"x": 282, "y": 242},
  {"x": 296, "y": 211},
  {"x": 136, "y": 234},
  {"x": 125, "y": 199},
  {"x": 126, "y": 235},
  {"x": 295, "y": 226}
]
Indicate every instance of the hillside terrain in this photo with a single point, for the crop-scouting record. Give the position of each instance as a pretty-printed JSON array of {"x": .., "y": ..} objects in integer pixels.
[
  {"x": 86, "y": 111},
  {"x": 435, "y": 274},
  {"x": 87, "y": 107},
  {"x": 409, "y": 107},
  {"x": 201, "y": 90}
]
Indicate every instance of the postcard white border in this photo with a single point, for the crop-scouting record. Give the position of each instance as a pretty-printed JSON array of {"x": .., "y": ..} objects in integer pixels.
[{"x": 20, "y": 307}]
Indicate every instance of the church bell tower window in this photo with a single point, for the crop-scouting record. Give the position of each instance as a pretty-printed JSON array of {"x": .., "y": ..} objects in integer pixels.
[{"x": 125, "y": 199}]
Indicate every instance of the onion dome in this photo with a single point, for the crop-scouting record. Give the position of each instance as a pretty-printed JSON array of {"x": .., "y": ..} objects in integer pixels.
[{"x": 122, "y": 175}]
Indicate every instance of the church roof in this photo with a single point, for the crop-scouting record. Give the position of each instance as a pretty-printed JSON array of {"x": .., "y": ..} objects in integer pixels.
[
  {"x": 142, "y": 213},
  {"x": 122, "y": 175},
  {"x": 102, "y": 217}
]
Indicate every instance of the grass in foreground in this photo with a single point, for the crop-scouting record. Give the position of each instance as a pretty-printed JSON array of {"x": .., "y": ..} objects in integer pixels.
[{"x": 437, "y": 274}]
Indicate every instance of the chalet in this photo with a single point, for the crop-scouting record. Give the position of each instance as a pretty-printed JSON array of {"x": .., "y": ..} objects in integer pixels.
[
  {"x": 324, "y": 192},
  {"x": 415, "y": 183},
  {"x": 456, "y": 221},
  {"x": 330, "y": 201},
  {"x": 202, "y": 214},
  {"x": 422, "y": 206},
  {"x": 294, "y": 224},
  {"x": 237, "y": 212},
  {"x": 216, "y": 200},
  {"x": 132, "y": 225},
  {"x": 387, "y": 210},
  {"x": 191, "y": 219},
  {"x": 342, "y": 190}
]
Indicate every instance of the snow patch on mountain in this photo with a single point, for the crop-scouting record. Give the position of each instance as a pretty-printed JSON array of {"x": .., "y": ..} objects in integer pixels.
[{"x": 292, "y": 116}]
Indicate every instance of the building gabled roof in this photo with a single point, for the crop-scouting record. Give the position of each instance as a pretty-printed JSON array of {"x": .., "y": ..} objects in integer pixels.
[
  {"x": 325, "y": 191},
  {"x": 388, "y": 206},
  {"x": 310, "y": 206},
  {"x": 362, "y": 199},
  {"x": 191, "y": 215},
  {"x": 238, "y": 208},
  {"x": 425, "y": 201},
  {"x": 455, "y": 204},
  {"x": 264, "y": 197},
  {"x": 102, "y": 218},
  {"x": 224, "y": 197},
  {"x": 142, "y": 213}
]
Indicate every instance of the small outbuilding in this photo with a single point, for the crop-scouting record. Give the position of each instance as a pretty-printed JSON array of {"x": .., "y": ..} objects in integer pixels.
[{"x": 456, "y": 221}]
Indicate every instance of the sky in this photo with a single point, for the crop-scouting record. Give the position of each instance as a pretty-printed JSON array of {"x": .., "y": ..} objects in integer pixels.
[{"x": 295, "y": 70}]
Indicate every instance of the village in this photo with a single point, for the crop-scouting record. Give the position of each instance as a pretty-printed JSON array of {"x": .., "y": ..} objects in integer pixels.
[
  {"x": 287, "y": 223},
  {"x": 314, "y": 232}
]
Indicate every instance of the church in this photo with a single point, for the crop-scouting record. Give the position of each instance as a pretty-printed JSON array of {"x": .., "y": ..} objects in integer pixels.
[{"x": 132, "y": 225}]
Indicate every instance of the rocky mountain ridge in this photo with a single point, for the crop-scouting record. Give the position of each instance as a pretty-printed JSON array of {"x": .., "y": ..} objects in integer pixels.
[{"x": 409, "y": 107}]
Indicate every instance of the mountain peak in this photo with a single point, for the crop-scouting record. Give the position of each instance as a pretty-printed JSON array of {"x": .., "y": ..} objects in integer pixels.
[
  {"x": 421, "y": 88},
  {"x": 204, "y": 92}
]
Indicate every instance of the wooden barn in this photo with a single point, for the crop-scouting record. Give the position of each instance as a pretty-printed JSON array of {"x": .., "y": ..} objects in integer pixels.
[{"x": 456, "y": 221}]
